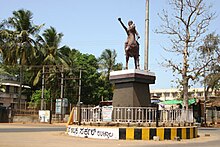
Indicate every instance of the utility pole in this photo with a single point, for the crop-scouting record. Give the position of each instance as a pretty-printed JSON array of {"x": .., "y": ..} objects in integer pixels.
[
  {"x": 61, "y": 94},
  {"x": 146, "y": 36},
  {"x": 79, "y": 99},
  {"x": 42, "y": 91},
  {"x": 80, "y": 82},
  {"x": 20, "y": 87},
  {"x": 205, "y": 97}
]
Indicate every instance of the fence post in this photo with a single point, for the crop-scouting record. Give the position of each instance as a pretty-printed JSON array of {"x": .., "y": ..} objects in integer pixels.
[
  {"x": 79, "y": 113},
  {"x": 157, "y": 115},
  {"x": 50, "y": 120}
]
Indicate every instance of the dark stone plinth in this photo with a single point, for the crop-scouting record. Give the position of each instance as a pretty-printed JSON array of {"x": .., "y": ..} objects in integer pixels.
[{"x": 131, "y": 88}]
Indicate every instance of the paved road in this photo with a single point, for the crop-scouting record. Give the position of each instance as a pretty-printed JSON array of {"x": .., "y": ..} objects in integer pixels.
[
  {"x": 29, "y": 135},
  {"x": 30, "y": 128}
]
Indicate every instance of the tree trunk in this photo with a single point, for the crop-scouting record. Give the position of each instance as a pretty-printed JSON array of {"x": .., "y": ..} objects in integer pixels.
[
  {"x": 185, "y": 92},
  {"x": 185, "y": 95},
  {"x": 185, "y": 77}
]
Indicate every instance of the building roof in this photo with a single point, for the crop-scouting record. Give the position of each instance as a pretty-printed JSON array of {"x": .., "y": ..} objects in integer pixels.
[
  {"x": 175, "y": 90},
  {"x": 14, "y": 84},
  {"x": 174, "y": 102}
]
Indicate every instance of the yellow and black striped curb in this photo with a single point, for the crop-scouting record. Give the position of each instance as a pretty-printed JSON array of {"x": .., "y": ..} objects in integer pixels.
[{"x": 162, "y": 133}]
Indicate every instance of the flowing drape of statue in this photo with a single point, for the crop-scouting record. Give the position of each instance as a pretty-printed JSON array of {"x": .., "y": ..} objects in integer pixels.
[{"x": 131, "y": 45}]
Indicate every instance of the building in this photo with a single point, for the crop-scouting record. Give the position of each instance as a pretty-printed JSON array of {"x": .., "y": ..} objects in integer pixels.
[
  {"x": 173, "y": 93},
  {"x": 9, "y": 93}
]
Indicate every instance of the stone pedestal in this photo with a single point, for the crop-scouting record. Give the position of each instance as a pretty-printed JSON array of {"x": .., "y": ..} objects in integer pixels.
[{"x": 131, "y": 87}]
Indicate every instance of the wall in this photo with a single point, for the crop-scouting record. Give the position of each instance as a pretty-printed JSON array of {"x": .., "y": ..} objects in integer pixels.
[{"x": 26, "y": 119}]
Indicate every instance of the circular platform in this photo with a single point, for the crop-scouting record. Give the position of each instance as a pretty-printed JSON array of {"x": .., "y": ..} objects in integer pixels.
[{"x": 133, "y": 133}]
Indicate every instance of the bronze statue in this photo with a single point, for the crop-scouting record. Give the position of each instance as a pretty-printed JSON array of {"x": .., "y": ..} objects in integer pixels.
[{"x": 131, "y": 45}]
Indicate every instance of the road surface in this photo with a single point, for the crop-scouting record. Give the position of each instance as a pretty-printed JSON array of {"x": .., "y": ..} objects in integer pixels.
[{"x": 38, "y": 135}]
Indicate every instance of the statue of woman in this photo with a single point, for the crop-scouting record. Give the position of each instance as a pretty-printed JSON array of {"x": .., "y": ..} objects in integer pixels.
[
  {"x": 131, "y": 44},
  {"x": 132, "y": 34}
]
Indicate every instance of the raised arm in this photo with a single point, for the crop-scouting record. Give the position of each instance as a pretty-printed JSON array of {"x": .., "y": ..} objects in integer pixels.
[
  {"x": 119, "y": 19},
  {"x": 138, "y": 36}
]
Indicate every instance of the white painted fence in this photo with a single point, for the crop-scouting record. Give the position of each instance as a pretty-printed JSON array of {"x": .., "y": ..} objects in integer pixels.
[{"x": 133, "y": 115}]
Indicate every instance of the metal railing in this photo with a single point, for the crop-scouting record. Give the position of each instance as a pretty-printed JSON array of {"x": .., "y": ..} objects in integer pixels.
[
  {"x": 24, "y": 112},
  {"x": 133, "y": 115}
]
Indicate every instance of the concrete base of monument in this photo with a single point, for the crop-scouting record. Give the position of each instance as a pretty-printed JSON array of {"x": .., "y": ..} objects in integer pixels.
[
  {"x": 133, "y": 133},
  {"x": 131, "y": 87}
]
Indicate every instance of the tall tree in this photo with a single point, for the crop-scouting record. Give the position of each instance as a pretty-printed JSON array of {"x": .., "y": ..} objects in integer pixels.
[
  {"x": 72, "y": 75},
  {"x": 185, "y": 23},
  {"x": 50, "y": 54},
  {"x": 4, "y": 41},
  {"x": 90, "y": 78},
  {"x": 209, "y": 51},
  {"x": 50, "y": 47},
  {"x": 107, "y": 62},
  {"x": 19, "y": 37},
  {"x": 20, "y": 26},
  {"x": 51, "y": 58}
]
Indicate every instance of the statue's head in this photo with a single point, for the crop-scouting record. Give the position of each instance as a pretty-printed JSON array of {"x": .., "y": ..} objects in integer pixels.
[{"x": 130, "y": 22}]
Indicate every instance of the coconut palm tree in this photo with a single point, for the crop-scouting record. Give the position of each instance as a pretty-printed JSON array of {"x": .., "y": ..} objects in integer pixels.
[
  {"x": 7, "y": 44},
  {"x": 21, "y": 28},
  {"x": 18, "y": 35},
  {"x": 107, "y": 62},
  {"x": 51, "y": 57},
  {"x": 50, "y": 42}
]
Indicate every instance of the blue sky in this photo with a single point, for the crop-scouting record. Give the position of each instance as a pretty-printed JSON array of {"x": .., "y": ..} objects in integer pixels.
[{"x": 91, "y": 26}]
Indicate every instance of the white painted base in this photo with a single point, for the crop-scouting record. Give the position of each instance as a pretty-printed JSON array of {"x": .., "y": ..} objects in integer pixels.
[
  {"x": 132, "y": 71},
  {"x": 93, "y": 132}
]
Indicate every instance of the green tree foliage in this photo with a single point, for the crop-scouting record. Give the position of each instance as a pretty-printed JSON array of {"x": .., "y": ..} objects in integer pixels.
[
  {"x": 36, "y": 98},
  {"x": 50, "y": 47},
  {"x": 90, "y": 77},
  {"x": 23, "y": 47},
  {"x": 107, "y": 62},
  {"x": 50, "y": 52},
  {"x": 210, "y": 55},
  {"x": 93, "y": 87},
  {"x": 19, "y": 33},
  {"x": 19, "y": 45},
  {"x": 72, "y": 74}
]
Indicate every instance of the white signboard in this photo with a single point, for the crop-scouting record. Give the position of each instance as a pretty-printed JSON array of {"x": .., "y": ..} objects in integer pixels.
[
  {"x": 107, "y": 113},
  {"x": 65, "y": 102},
  {"x": 99, "y": 133},
  {"x": 58, "y": 106},
  {"x": 44, "y": 115}
]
